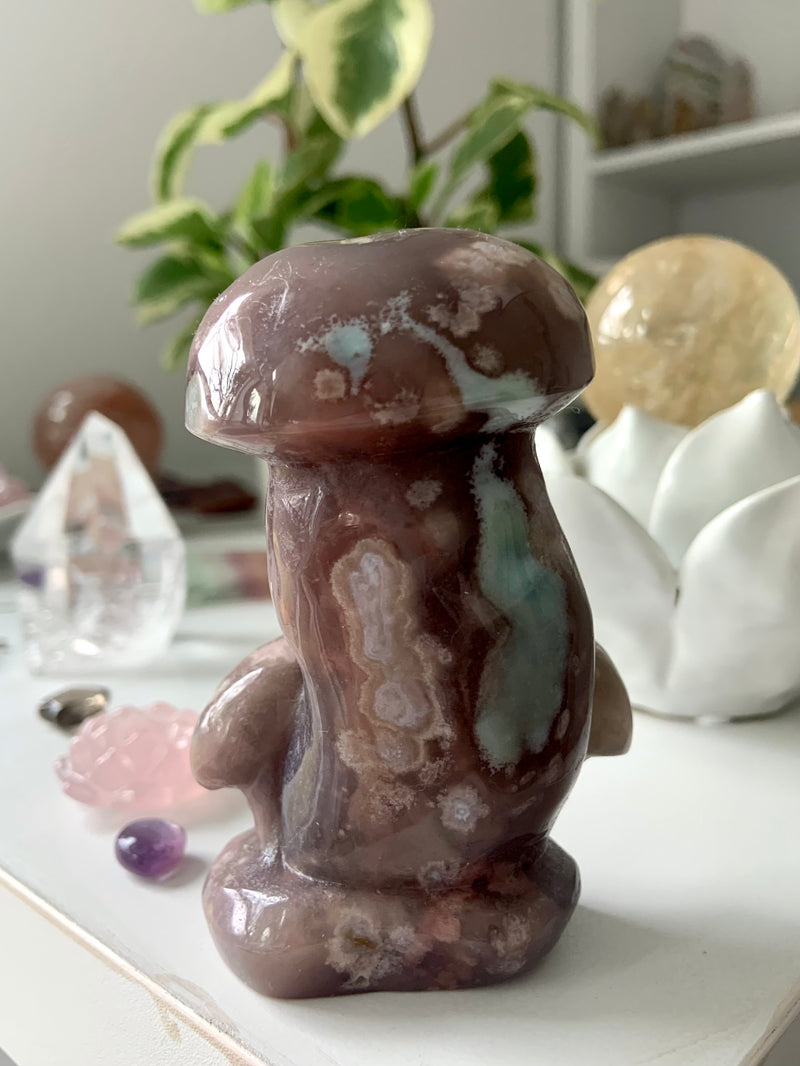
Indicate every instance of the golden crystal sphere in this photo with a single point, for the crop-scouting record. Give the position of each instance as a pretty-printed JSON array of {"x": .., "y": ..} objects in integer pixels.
[{"x": 688, "y": 326}]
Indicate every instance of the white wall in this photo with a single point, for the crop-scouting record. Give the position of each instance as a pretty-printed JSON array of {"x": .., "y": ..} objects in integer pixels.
[
  {"x": 766, "y": 219},
  {"x": 85, "y": 87}
]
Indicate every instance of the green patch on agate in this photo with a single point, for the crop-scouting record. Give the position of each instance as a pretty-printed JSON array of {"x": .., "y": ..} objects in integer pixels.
[
  {"x": 350, "y": 346},
  {"x": 511, "y": 398},
  {"x": 522, "y": 685}
]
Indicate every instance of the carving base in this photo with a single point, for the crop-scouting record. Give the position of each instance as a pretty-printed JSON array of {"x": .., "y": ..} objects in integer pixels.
[{"x": 290, "y": 936}]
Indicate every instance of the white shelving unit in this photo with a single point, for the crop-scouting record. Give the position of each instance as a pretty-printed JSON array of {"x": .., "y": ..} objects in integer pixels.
[
  {"x": 740, "y": 181},
  {"x": 732, "y": 156}
]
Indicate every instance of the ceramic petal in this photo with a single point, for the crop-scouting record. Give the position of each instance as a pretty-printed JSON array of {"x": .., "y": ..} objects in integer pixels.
[
  {"x": 553, "y": 457},
  {"x": 734, "y": 454},
  {"x": 736, "y": 634},
  {"x": 630, "y": 583},
  {"x": 585, "y": 443},
  {"x": 627, "y": 458}
]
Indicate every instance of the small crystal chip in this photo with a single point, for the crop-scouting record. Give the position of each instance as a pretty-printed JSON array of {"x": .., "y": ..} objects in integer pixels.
[
  {"x": 99, "y": 561},
  {"x": 72, "y": 706}
]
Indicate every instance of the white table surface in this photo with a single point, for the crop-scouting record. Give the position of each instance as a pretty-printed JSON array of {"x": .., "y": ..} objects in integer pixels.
[{"x": 685, "y": 948}]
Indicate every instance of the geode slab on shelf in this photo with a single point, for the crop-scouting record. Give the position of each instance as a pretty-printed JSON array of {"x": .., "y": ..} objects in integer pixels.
[{"x": 406, "y": 746}]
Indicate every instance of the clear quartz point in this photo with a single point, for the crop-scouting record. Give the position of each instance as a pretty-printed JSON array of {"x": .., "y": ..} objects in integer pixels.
[{"x": 99, "y": 561}]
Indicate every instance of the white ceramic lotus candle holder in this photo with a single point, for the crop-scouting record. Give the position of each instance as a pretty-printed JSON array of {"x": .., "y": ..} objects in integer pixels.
[{"x": 688, "y": 542}]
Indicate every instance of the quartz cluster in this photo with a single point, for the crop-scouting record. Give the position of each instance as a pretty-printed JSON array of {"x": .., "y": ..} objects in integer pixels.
[{"x": 99, "y": 561}]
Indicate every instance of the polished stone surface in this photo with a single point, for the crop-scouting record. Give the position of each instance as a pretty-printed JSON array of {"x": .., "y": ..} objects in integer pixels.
[
  {"x": 99, "y": 561},
  {"x": 151, "y": 847},
  {"x": 688, "y": 326},
  {"x": 406, "y": 746},
  {"x": 72, "y": 706},
  {"x": 62, "y": 411}
]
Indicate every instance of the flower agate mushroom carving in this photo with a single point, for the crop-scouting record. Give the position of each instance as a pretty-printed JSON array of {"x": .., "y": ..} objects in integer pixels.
[{"x": 406, "y": 746}]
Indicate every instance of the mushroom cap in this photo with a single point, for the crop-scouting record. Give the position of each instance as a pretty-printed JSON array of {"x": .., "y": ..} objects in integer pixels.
[{"x": 396, "y": 341}]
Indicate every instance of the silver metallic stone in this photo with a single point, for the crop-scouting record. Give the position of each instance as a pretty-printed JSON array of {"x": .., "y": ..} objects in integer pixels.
[{"x": 71, "y": 706}]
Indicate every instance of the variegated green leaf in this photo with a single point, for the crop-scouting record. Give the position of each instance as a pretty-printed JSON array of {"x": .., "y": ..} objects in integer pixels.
[
  {"x": 289, "y": 16},
  {"x": 512, "y": 180},
  {"x": 173, "y": 281},
  {"x": 494, "y": 122},
  {"x": 228, "y": 119},
  {"x": 186, "y": 218},
  {"x": 174, "y": 152},
  {"x": 219, "y": 7},
  {"x": 311, "y": 160},
  {"x": 491, "y": 126},
  {"x": 361, "y": 58},
  {"x": 358, "y": 206},
  {"x": 541, "y": 100},
  {"x": 481, "y": 214},
  {"x": 303, "y": 113},
  {"x": 255, "y": 197},
  {"x": 157, "y": 310},
  {"x": 270, "y": 231},
  {"x": 420, "y": 186},
  {"x": 165, "y": 275},
  {"x": 303, "y": 173},
  {"x": 176, "y": 352}
]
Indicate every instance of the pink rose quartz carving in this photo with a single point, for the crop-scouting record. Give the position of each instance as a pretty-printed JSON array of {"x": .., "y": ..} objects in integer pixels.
[{"x": 137, "y": 757}]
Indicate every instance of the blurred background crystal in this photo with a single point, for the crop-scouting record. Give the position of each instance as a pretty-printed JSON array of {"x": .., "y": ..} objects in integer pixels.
[
  {"x": 99, "y": 561},
  {"x": 62, "y": 411}
]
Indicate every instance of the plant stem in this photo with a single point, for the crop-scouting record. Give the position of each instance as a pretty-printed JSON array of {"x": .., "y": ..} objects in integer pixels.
[
  {"x": 412, "y": 128},
  {"x": 289, "y": 133},
  {"x": 447, "y": 134},
  {"x": 290, "y": 138}
]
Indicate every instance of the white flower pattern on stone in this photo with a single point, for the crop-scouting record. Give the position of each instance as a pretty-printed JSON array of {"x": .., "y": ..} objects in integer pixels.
[{"x": 461, "y": 808}]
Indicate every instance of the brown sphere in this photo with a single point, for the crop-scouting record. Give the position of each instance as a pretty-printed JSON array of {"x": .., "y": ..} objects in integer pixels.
[
  {"x": 62, "y": 411},
  {"x": 688, "y": 326}
]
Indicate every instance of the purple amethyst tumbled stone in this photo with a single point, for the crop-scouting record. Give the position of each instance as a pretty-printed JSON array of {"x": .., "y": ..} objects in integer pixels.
[{"x": 151, "y": 847}]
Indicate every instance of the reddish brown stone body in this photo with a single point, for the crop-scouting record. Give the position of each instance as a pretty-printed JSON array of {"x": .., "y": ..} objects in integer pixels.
[{"x": 406, "y": 748}]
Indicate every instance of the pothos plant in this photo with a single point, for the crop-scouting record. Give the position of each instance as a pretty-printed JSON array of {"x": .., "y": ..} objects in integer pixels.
[{"x": 346, "y": 66}]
